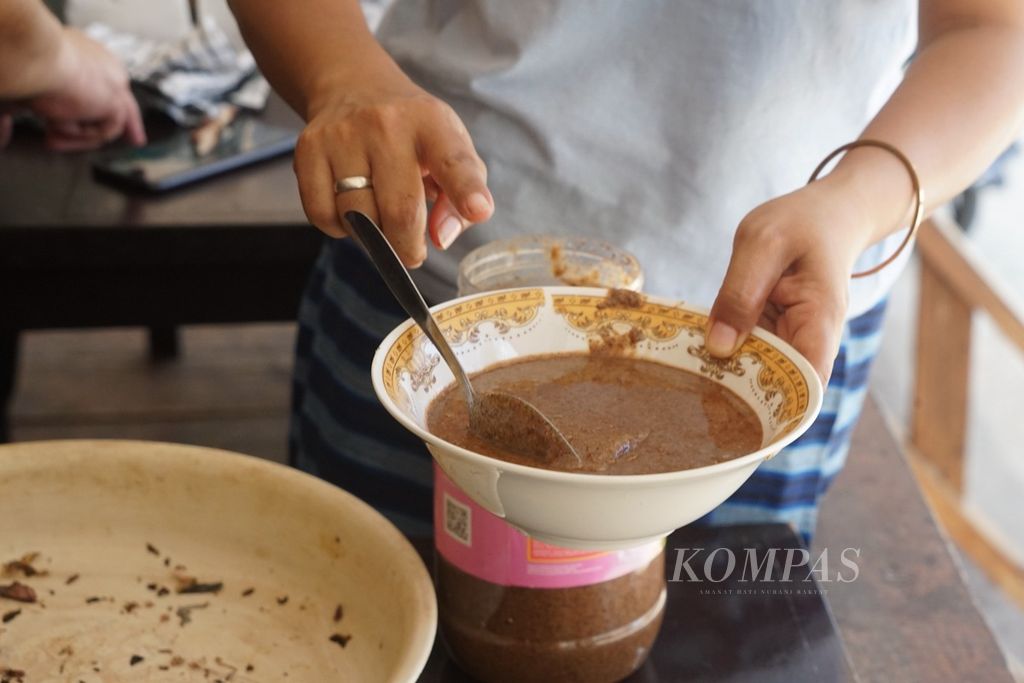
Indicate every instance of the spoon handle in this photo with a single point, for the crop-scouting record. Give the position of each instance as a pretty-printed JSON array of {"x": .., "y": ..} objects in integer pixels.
[{"x": 398, "y": 280}]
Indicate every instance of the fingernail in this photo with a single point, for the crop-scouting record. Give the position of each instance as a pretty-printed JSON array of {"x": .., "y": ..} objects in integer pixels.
[
  {"x": 721, "y": 339},
  {"x": 477, "y": 204},
  {"x": 448, "y": 230}
]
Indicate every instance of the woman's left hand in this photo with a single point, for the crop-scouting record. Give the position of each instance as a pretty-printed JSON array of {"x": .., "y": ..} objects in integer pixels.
[{"x": 790, "y": 267}]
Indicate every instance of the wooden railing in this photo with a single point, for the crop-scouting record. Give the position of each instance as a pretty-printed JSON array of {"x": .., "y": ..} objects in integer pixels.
[{"x": 954, "y": 285}]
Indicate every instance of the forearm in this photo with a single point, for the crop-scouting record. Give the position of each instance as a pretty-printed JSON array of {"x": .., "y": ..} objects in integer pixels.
[
  {"x": 32, "y": 50},
  {"x": 960, "y": 105},
  {"x": 312, "y": 49}
]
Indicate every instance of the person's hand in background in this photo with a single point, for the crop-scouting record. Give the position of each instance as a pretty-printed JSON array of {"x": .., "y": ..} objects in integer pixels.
[
  {"x": 77, "y": 88},
  {"x": 91, "y": 103}
]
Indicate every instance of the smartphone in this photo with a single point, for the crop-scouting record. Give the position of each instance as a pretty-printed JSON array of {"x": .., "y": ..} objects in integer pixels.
[{"x": 180, "y": 160}]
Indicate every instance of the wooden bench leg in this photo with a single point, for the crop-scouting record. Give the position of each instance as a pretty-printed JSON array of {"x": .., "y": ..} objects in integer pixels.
[
  {"x": 164, "y": 343},
  {"x": 8, "y": 371},
  {"x": 941, "y": 378}
]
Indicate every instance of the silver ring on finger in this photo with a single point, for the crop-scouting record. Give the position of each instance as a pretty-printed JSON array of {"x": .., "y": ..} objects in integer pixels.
[{"x": 355, "y": 182}]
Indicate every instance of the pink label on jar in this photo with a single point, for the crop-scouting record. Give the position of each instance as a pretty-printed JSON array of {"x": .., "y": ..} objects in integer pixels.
[{"x": 485, "y": 546}]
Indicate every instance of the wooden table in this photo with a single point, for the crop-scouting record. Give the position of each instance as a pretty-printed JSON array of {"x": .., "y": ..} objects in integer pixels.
[
  {"x": 77, "y": 253},
  {"x": 909, "y": 615}
]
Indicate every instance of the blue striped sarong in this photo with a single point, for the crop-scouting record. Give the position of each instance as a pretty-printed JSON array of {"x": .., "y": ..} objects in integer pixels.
[{"x": 341, "y": 433}]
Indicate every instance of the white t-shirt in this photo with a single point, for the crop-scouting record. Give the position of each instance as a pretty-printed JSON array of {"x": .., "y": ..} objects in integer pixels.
[{"x": 654, "y": 125}]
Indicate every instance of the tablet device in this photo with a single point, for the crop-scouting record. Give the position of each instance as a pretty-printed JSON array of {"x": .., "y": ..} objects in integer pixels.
[{"x": 184, "y": 157}]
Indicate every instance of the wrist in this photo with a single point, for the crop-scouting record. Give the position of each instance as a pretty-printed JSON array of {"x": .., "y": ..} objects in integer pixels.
[
  {"x": 855, "y": 223},
  {"x": 37, "y": 57},
  {"x": 348, "y": 80},
  {"x": 880, "y": 187},
  {"x": 61, "y": 68}
]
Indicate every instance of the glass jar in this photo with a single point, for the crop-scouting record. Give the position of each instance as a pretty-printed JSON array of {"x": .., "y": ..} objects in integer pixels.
[
  {"x": 532, "y": 260},
  {"x": 513, "y": 608}
]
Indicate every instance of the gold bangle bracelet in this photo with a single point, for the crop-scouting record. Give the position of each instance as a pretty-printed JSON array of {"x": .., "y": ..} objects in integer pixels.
[{"x": 914, "y": 180}]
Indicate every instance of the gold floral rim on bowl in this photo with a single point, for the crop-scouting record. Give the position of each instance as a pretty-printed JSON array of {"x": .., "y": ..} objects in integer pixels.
[{"x": 411, "y": 364}]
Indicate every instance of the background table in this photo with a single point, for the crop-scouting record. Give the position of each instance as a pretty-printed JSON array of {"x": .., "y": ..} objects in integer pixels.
[{"x": 77, "y": 253}]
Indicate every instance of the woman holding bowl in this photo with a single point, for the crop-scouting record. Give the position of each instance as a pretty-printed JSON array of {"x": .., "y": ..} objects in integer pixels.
[{"x": 682, "y": 131}]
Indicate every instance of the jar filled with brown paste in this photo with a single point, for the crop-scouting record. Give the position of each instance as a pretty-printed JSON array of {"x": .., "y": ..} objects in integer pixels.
[{"x": 513, "y": 608}]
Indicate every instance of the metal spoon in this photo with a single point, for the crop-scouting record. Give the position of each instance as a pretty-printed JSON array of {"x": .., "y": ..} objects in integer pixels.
[{"x": 501, "y": 418}]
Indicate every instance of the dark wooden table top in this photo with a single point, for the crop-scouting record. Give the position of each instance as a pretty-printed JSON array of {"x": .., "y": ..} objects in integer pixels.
[
  {"x": 43, "y": 189},
  {"x": 48, "y": 195},
  {"x": 75, "y": 252}
]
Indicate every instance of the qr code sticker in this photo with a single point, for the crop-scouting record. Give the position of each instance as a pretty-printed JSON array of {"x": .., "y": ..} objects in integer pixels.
[{"x": 458, "y": 520}]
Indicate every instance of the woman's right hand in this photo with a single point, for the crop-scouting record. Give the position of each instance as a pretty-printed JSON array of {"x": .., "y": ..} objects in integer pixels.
[{"x": 411, "y": 145}]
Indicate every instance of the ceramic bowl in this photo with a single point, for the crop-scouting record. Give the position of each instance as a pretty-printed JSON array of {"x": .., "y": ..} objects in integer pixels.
[
  {"x": 118, "y": 525},
  {"x": 592, "y": 510}
]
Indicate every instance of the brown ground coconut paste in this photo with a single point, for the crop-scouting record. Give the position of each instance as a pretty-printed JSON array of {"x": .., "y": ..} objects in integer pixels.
[
  {"x": 514, "y": 609},
  {"x": 590, "y": 634},
  {"x": 623, "y": 415}
]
